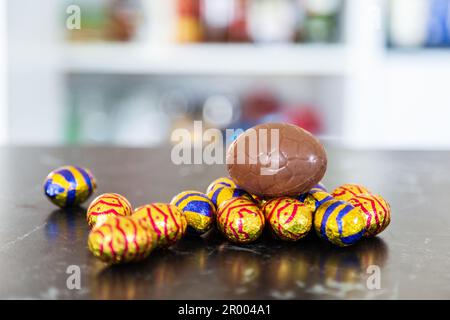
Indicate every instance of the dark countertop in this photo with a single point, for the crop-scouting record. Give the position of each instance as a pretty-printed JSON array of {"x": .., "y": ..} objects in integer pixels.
[{"x": 38, "y": 241}]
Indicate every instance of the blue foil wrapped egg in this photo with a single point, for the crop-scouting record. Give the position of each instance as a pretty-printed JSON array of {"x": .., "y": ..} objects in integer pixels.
[
  {"x": 223, "y": 181},
  {"x": 339, "y": 222},
  {"x": 221, "y": 193},
  {"x": 69, "y": 186},
  {"x": 198, "y": 209}
]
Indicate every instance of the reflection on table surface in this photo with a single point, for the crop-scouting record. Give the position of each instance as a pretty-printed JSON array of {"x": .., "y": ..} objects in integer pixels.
[{"x": 211, "y": 267}]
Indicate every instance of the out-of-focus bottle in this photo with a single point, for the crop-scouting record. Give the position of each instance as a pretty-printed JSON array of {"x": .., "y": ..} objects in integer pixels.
[
  {"x": 438, "y": 23},
  {"x": 189, "y": 25},
  {"x": 408, "y": 22},
  {"x": 216, "y": 18},
  {"x": 124, "y": 19},
  {"x": 238, "y": 28},
  {"x": 322, "y": 20},
  {"x": 272, "y": 20}
]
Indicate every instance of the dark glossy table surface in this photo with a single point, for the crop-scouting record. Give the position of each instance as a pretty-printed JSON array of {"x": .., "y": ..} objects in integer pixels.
[{"x": 38, "y": 242}]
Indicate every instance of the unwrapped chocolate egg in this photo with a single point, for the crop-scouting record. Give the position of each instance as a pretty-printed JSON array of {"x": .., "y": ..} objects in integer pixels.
[
  {"x": 166, "y": 222},
  {"x": 106, "y": 205},
  {"x": 240, "y": 220},
  {"x": 339, "y": 222},
  {"x": 276, "y": 159},
  {"x": 288, "y": 218},
  {"x": 199, "y": 210},
  {"x": 221, "y": 193},
  {"x": 69, "y": 186},
  {"x": 120, "y": 240},
  {"x": 224, "y": 181}
]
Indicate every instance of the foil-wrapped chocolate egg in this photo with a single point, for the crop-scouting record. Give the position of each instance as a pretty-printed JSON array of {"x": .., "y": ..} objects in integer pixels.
[
  {"x": 224, "y": 181},
  {"x": 347, "y": 191},
  {"x": 315, "y": 197},
  {"x": 339, "y": 222},
  {"x": 220, "y": 194},
  {"x": 166, "y": 222},
  {"x": 106, "y": 205},
  {"x": 288, "y": 218},
  {"x": 199, "y": 210},
  {"x": 276, "y": 159},
  {"x": 240, "y": 220},
  {"x": 376, "y": 210},
  {"x": 69, "y": 186},
  {"x": 120, "y": 240}
]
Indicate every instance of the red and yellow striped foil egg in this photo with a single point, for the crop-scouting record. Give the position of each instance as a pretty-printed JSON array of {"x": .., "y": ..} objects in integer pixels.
[
  {"x": 166, "y": 222},
  {"x": 288, "y": 218},
  {"x": 348, "y": 190},
  {"x": 106, "y": 205},
  {"x": 120, "y": 240},
  {"x": 240, "y": 220},
  {"x": 376, "y": 210}
]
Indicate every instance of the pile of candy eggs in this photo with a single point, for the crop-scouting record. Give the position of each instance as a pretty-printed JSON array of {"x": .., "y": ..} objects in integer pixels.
[{"x": 120, "y": 234}]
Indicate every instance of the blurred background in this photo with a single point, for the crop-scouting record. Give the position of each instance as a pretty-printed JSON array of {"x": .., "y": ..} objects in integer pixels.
[{"x": 365, "y": 74}]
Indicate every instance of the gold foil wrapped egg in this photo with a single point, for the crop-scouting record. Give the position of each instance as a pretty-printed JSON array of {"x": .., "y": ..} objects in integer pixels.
[
  {"x": 224, "y": 181},
  {"x": 69, "y": 186},
  {"x": 166, "y": 222},
  {"x": 288, "y": 218},
  {"x": 106, "y": 205},
  {"x": 240, "y": 220},
  {"x": 339, "y": 223},
  {"x": 120, "y": 240},
  {"x": 221, "y": 193},
  {"x": 348, "y": 190},
  {"x": 199, "y": 210},
  {"x": 376, "y": 210}
]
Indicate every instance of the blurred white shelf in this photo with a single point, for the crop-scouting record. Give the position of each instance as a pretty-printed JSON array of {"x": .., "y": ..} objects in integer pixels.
[
  {"x": 298, "y": 59},
  {"x": 429, "y": 59}
]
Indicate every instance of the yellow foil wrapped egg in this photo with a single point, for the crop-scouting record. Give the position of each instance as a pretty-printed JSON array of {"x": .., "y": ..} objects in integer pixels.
[
  {"x": 348, "y": 190},
  {"x": 69, "y": 186},
  {"x": 120, "y": 240},
  {"x": 166, "y": 222},
  {"x": 315, "y": 197},
  {"x": 288, "y": 218},
  {"x": 240, "y": 220},
  {"x": 339, "y": 222},
  {"x": 224, "y": 181},
  {"x": 376, "y": 210},
  {"x": 199, "y": 210},
  {"x": 220, "y": 194},
  {"x": 106, "y": 205}
]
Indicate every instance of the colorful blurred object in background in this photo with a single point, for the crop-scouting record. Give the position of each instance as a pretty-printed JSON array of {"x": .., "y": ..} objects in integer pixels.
[{"x": 138, "y": 69}]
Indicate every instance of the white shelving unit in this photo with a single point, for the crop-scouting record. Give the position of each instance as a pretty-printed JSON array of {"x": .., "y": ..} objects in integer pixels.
[
  {"x": 384, "y": 99},
  {"x": 225, "y": 59}
]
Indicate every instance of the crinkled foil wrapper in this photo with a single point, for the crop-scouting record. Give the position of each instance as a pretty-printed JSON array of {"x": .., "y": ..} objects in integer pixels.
[
  {"x": 348, "y": 191},
  {"x": 105, "y": 206},
  {"x": 289, "y": 219},
  {"x": 240, "y": 220},
  {"x": 224, "y": 181},
  {"x": 165, "y": 221},
  {"x": 376, "y": 210},
  {"x": 69, "y": 186},
  {"x": 199, "y": 210},
  {"x": 339, "y": 222},
  {"x": 220, "y": 194},
  {"x": 120, "y": 240}
]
